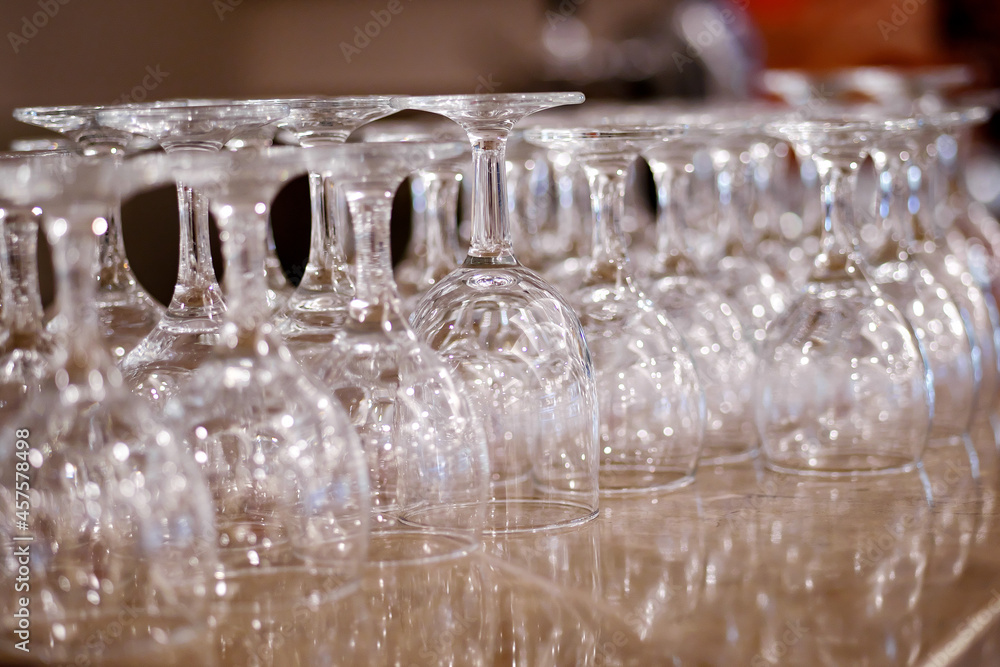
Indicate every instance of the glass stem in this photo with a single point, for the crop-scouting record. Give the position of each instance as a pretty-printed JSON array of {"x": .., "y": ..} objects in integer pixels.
[
  {"x": 318, "y": 229},
  {"x": 74, "y": 260},
  {"x": 608, "y": 257},
  {"x": 838, "y": 178},
  {"x": 114, "y": 268},
  {"x": 197, "y": 290},
  {"x": 441, "y": 234},
  {"x": 371, "y": 211},
  {"x": 243, "y": 227},
  {"x": 671, "y": 181},
  {"x": 22, "y": 313},
  {"x": 338, "y": 219},
  {"x": 491, "y": 239}
]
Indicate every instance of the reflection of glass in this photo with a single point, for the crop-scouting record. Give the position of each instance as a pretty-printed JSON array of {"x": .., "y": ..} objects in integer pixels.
[
  {"x": 842, "y": 385},
  {"x": 118, "y": 514},
  {"x": 25, "y": 346},
  {"x": 185, "y": 335},
  {"x": 652, "y": 408},
  {"x": 127, "y": 312},
  {"x": 425, "y": 448},
  {"x": 516, "y": 345},
  {"x": 283, "y": 464},
  {"x": 854, "y": 580}
]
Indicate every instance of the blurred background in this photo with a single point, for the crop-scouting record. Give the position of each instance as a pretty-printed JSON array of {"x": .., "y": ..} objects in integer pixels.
[{"x": 110, "y": 51}]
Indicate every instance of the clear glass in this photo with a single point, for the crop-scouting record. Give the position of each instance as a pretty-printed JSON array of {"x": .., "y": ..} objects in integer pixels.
[
  {"x": 713, "y": 325},
  {"x": 119, "y": 521},
  {"x": 284, "y": 465},
  {"x": 514, "y": 343},
  {"x": 948, "y": 345},
  {"x": 319, "y": 304},
  {"x": 426, "y": 450},
  {"x": 128, "y": 313},
  {"x": 26, "y": 348},
  {"x": 842, "y": 385},
  {"x": 432, "y": 252},
  {"x": 186, "y": 335},
  {"x": 652, "y": 408}
]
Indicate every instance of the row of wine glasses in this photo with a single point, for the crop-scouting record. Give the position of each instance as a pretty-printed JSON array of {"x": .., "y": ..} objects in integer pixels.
[{"x": 258, "y": 429}]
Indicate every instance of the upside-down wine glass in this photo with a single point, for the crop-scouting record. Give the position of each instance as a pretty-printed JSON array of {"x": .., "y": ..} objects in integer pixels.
[
  {"x": 26, "y": 347},
  {"x": 127, "y": 312},
  {"x": 947, "y": 339},
  {"x": 119, "y": 518},
  {"x": 318, "y": 305},
  {"x": 186, "y": 334},
  {"x": 514, "y": 343},
  {"x": 283, "y": 464},
  {"x": 652, "y": 408},
  {"x": 713, "y": 325},
  {"x": 842, "y": 386},
  {"x": 426, "y": 449},
  {"x": 432, "y": 252}
]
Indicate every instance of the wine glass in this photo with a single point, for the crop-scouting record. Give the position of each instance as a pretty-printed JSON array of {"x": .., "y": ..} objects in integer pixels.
[
  {"x": 186, "y": 334},
  {"x": 426, "y": 451},
  {"x": 26, "y": 348},
  {"x": 317, "y": 306},
  {"x": 652, "y": 408},
  {"x": 843, "y": 388},
  {"x": 284, "y": 466},
  {"x": 515, "y": 344},
  {"x": 432, "y": 252},
  {"x": 712, "y": 323},
  {"x": 948, "y": 345},
  {"x": 117, "y": 528},
  {"x": 127, "y": 311}
]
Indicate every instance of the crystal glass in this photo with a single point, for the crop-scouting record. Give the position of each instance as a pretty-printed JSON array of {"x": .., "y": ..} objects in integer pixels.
[
  {"x": 426, "y": 450},
  {"x": 949, "y": 346},
  {"x": 127, "y": 312},
  {"x": 320, "y": 301},
  {"x": 713, "y": 324},
  {"x": 515, "y": 344},
  {"x": 284, "y": 465},
  {"x": 26, "y": 348},
  {"x": 117, "y": 528},
  {"x": 432, "y": 252},
  {"x": 185, "y": 336},
  {"x": 652, "y": 408},
  {"x": 842, "y": 388}
]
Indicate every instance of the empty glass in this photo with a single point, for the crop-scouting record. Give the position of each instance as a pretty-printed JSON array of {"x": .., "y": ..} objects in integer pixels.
[
  {"x": 186, "y": 334},
  {"x": 652, "y": 408},
  {"x": 426, "y": 450},
  {"x": 513, "y": 342},
  {"x": 842, "y": 386},
  {"x": 127, "y": 312},
  {"x": 113, "y": 516},
  {"x": 319, "y": 303},
  {"x": 283, "y": 464},
  {"x": 712, "y": 324}
]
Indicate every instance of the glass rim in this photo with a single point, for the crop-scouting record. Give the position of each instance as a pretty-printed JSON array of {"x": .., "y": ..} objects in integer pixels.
[
  {"x": 547, "y": 135},
  {"x": 427, "y": 102},
  {"x": 232, "y": 111}
]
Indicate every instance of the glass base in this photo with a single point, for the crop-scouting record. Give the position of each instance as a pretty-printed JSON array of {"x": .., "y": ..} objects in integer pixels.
[
  {"x": 530, "y": 515},
  {"x": 721, "y": 457},
  {"x": 848, "y": 465},
  {"x": 622, "y": 480},
  {"x": 402, "y": 546}
]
